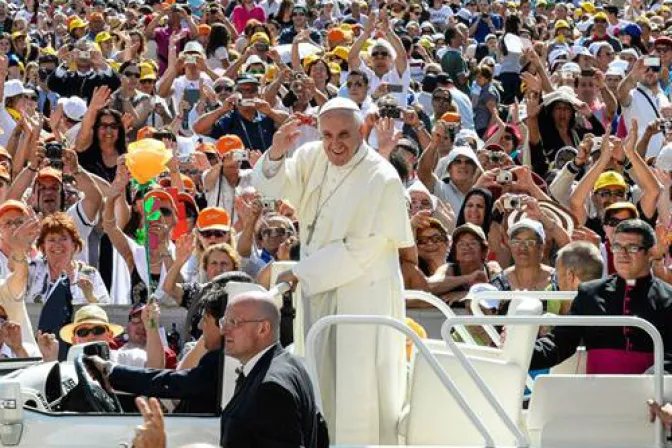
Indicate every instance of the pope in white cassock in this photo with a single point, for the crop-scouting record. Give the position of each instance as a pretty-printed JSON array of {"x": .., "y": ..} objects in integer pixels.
[{"x": 354, "y": 228}]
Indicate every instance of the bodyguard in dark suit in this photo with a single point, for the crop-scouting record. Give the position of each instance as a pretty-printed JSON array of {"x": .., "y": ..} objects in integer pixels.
[
  {"x": 198, "y": 388},
  {"x": 274, "y": 404},
  {"x": 633, "y": 291}
]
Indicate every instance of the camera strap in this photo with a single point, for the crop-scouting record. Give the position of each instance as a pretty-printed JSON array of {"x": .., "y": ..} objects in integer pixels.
[{"x": 650, "y": 101}]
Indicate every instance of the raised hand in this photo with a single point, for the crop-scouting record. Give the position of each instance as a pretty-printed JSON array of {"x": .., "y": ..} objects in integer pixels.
[
  {"x": 100, "y": 98},
  {"x": 184, "y": 248},
  {"x": 150, "y": 316},
  {"x": 24, "y": 236},
  {"x": 285, "y": 138},
  {"x": 48, "y": 345},
  {"x": 388, "y": 136}
]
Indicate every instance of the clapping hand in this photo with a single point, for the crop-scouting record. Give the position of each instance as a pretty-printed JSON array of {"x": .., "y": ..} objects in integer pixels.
[
  {"x": 48, "y": 345},
  {"x": 11, "y": 335}
]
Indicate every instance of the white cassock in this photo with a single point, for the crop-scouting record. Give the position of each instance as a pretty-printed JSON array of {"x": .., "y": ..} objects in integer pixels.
[{"x": 351, "y": 266}]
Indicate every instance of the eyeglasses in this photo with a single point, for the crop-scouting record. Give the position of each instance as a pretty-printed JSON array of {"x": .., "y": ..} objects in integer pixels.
[
  {"x": 113, "y": 126},
  {"x": 434, "y": 239},
  {"x": 98, "y": 330},
  {"x": 351, "y": 84},
  {"x": 275, "y": 232},
  {"x": 613, "y": 222},
  {"x": 132, "y": 75},
  {"x": 442, "y": 99},
  {"x": 617, "y": 194},
  {"x": 223, "y": 88},
  {"x": 148, "y": 81},
  {"x": 632, "y": 249},
  {"x": 382, "y": 54},
  {"x": 213, "y": 233},
  {"x": 467, "y": 244},
  {"x": 166, "y": 212},
  {"x": 527, "y": 244},
  {"x": 232, "y": 322}
]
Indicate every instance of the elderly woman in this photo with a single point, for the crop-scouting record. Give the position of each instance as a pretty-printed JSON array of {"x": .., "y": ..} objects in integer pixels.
[
  {"x": 558, "y": 121},
  {"x": 59, "y": 243},
  {"x": 526, "y": 238},
  {"x": 467, "y": 265}
]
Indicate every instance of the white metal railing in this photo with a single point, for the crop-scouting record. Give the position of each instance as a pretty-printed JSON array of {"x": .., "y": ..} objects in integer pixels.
[
  {"x": 474, "y": 306},
  {"x": 413, "y": 294},
  {"x": 326, "y": 322},
  {"x": 582, "y": 321}
]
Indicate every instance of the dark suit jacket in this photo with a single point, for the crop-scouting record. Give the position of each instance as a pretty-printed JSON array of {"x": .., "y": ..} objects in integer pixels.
[
  {"x": 650, "y": 299},
  {"x": 275, "y": 407},
  {"x": 197, "y": 388}
]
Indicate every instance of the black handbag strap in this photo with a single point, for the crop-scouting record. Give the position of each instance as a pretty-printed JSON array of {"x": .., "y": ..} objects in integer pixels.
[{"x": 650, "y": 101}]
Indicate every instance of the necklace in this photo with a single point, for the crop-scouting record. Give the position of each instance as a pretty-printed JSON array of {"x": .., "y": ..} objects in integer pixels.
[{"x": 311, "y": 227}]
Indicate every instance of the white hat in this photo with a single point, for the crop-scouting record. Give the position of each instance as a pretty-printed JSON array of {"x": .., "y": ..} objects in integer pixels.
[
  {"x": 254, "y": 59},
  {"x": 571, "y": 67},
  {"x": 664, "y": 158},
  {"x": 580, "y": 50},
  {"x": 74, "y": 107},
  {"x": 630, "y": 52},
  {"x": 529, "y": 224},
  {"x": 193, "y": 47},
  {"x": 565, "y": 94},
  {"x": 419, "y": 187},
  {"x": 339, "y": 103},
  {"x": 556, "y": 55},
  {"x": 595, "y": 47},
  {"x": 617, "y": 68},
  {"x": 464, "y": 14},
  {"x": 464, "y": 151},
  {"x": 13, "y": 88},
  {"x": 383, "y": 43}
]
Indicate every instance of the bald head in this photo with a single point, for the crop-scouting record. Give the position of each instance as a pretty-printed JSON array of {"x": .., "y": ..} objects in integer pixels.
[{"x": 262, "y": 305}]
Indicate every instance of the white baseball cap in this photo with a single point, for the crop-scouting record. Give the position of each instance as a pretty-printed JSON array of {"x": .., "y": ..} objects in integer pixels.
[
  {"x": 74, "y": 107},
  {"x": 528, "y": 224},
  {"x": 193, "y": 47},
  {"x": 14, "y": 88}
]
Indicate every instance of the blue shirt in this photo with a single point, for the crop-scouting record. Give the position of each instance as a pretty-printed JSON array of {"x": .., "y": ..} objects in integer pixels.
[
  {"x": 483, "y": 29},
  {"x": 255, "y": 134}
]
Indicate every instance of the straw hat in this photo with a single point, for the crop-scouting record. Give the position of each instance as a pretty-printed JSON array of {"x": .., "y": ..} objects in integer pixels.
[
  {"x": 89, "y": 314},
  {"x": 563, "y": 217}
]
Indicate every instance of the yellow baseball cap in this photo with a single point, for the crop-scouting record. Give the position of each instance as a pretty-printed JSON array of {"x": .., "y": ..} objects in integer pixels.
[
  {"x": 340, "y": 52},
  {"x": 600, "y": 16},
  {"x": 588, "y": 7},
  {"x": 561, "y": 24},
  {"x": 610, "y": 179},
  {"x": 260, "y": 35},
  {"x": 77, "y": 23},
  {"x": 103, "y": 36}
]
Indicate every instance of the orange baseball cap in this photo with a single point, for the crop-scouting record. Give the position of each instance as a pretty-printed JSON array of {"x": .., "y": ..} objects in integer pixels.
[
  {"x": 228, "y": 143},
  {"x": 451, "y": 117},
  {"x": 186, "y": 181},
  {"x": 11, "y": 204},
  {"x": 206, "y": 147},
  {"x": 204, "y": 30},
  {"x": 160, "y": 194},
  {"x": 213, "y": 218},
  {"x": 186, "y": 197},
  {"x": 50, "y": 172},
  {"x": 146, "y": 132},
  {"x": 336, "y": 35}
]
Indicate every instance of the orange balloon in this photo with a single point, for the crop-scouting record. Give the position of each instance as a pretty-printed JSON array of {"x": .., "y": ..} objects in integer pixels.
[{"x": 146, "y": 159}]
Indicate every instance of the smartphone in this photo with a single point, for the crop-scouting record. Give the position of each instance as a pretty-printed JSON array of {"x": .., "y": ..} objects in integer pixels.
[
  {"x": 395, "y": 88},
  {"x": 652, "y": 62}
]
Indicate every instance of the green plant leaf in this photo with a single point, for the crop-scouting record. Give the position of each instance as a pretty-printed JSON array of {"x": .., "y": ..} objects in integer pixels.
[
  {"x": 154, "y": 216},
  {"x": 149, "y": 205}
]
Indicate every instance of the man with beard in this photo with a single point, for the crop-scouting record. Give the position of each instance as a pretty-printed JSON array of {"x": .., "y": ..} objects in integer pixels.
[{"x": 48, "y": 195}]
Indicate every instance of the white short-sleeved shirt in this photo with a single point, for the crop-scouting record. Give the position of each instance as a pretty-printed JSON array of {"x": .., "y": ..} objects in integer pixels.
[
  {"x": 391, "y": 77},
  {"x": 641, "y": 109},
  {"x": 182, "y": 83},
  {"x": 41, "y": 285},
  {"x": 228, "y": 193},
  {"x": 440, "y": 16}
]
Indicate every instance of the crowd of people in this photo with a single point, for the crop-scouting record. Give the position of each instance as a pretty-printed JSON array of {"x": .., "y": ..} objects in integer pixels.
[{"x": 382, "y": 146}]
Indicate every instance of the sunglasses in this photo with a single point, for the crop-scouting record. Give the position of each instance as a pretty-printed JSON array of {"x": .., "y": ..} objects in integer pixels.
[
  {"x": 96, "y": 331},
  {"x": 132, "y": 75},
  {"x": 213, "y": 233},
  {"x": 611, "y": 194},
  {"x": 382, "y": 54},
  {"x": 166, "y": 212},
  {"x": 654, "y": 69},
  {"x": 112, "y": 126},
  {"x": 148, "y": 81},
  {"x": 223, "y": 88},
  {"x": 249, "y": 91},
  {"x": 613, "y": 222}
]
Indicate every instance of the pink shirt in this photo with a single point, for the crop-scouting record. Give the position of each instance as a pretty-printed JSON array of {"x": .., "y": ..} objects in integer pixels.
[
  {"x": 162, "y": 39},
  {"x": 241, "y": 15}
]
